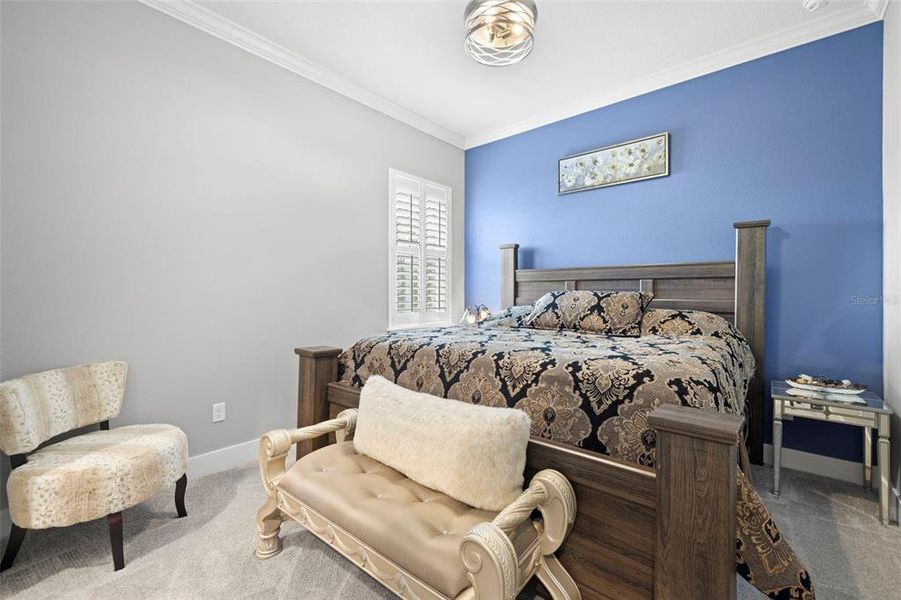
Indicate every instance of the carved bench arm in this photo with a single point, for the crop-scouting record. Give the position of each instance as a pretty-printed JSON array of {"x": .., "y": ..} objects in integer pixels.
[
  {"x": 274, "y": 446},
  {"x": 520, "y": 509},
  {"x": 551, "y": 493},
  {"x": 487, "y": 550}
]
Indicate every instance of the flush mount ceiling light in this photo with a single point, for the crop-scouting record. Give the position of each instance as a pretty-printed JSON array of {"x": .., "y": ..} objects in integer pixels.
[{"x": 499, "y": 32}]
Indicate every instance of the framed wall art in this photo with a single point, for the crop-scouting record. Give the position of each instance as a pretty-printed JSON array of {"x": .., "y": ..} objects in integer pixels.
[{"x": 625, "y": 162}]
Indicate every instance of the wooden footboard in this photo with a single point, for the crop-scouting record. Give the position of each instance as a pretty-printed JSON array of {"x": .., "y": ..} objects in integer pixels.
[{"x": 666, "y": 533}]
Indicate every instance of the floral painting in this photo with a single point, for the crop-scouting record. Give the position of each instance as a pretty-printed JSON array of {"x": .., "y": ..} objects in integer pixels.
[{"x": 612, "y": 165}]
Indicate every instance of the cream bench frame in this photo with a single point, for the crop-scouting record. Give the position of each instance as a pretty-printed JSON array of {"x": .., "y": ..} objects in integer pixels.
[{"x": 494, "y": 569}]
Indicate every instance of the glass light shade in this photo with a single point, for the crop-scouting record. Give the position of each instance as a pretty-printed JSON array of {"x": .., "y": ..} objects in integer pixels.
[{"x": 499, "y": 32}]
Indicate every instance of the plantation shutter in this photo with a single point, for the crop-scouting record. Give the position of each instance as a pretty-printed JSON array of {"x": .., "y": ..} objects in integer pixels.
[
  {"x": 419, "y": 252},
  {"x": 408, "y": 246},
  {"x": 436, "y": 225}
]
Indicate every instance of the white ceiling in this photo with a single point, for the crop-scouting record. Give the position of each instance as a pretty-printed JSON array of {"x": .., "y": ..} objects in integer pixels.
[{"x": 408, "y": 56}]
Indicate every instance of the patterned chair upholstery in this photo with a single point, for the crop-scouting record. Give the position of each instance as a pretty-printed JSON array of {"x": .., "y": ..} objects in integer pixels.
[{"x": 97, "y": 474}]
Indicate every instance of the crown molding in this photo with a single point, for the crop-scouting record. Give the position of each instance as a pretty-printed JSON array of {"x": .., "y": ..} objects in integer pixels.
[
  {"x": 878, "y": 7},
  {"x": 864, "y": 13},
  {"x": 220, "y": 27},
  {"x": 815, "y": 29}
]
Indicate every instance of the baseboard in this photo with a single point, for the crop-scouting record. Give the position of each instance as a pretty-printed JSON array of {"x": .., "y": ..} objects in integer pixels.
[
  {"x": 226, "y": 458},
  {"x": 836, "y": 468},
  {"x": 222, "y": 459}
]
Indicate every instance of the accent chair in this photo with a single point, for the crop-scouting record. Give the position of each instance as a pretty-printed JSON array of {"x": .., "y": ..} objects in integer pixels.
[{"x": 89, "y": 476}]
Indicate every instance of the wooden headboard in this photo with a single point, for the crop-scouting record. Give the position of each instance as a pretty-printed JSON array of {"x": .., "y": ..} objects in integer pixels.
[{"x": 734, "y": 289}]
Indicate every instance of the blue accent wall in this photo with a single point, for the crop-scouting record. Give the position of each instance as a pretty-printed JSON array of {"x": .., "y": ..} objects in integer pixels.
[{"x": 795, "y": 137}]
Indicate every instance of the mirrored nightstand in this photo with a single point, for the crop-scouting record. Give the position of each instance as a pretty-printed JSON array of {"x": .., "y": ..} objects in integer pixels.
[{"x": 865, "y": 410}]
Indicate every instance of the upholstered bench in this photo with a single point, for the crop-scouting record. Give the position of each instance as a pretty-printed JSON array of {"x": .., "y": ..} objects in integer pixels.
[{"x": 415, "y": 540}]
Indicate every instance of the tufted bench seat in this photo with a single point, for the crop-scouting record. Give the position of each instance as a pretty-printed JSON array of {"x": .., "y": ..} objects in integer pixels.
[
  {"x": 419, "y": 543},
  {"x": 419, "y": 528}
]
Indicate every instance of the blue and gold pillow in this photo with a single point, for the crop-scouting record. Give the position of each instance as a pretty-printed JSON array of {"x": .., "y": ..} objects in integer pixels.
[
  {"x": 608, "y": 313},
  {"x": 678, "y": 323}
]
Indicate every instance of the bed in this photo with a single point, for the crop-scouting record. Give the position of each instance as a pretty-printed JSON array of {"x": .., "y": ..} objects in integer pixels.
[
  {"x": 662, "y": 510},
  {"x": 584, "y": 389}
]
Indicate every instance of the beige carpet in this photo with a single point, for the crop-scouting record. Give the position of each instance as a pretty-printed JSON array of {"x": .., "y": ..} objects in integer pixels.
[
  {"x": 210, "y": 553},
  {"x": 834, "y": 527}
]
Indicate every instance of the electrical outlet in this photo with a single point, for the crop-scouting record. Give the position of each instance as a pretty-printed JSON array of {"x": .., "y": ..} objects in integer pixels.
[{"x": 218, "y": 412}]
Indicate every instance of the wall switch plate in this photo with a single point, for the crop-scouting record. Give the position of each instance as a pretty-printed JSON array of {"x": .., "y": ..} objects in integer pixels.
[{"x": 218, "y": 412}]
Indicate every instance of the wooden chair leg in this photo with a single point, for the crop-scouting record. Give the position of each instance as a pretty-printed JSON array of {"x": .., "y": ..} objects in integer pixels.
[
  {"x": 180, "y": 486},
  {"x": 115, "y": 538},
  {"x": 16, "y": 535}
]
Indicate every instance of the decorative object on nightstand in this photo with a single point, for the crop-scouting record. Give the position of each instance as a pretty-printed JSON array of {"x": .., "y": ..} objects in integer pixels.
[
  {"x": 823, "y": 385},
  {"x": 475, "y": 314},
  {"x": 836, "y": 402}
]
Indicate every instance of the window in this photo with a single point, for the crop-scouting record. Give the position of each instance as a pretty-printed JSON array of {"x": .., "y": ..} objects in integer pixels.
[{"x": 419, "y": 251}]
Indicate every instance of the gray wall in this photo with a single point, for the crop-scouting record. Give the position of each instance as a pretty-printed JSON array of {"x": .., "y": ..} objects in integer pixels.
[
  {"x": 176, "y": 202},
  {"x": 891, "y": 193}
]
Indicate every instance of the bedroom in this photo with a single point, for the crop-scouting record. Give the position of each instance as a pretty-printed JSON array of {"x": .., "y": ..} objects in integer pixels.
[{"x": 206, "y": 190}]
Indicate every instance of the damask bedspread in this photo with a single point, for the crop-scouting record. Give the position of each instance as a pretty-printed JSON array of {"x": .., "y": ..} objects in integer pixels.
[{"x": 596, "y": 392}]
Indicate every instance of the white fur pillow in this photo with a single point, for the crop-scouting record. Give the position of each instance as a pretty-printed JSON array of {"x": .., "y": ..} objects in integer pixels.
[{"x": 475, "y": 454}]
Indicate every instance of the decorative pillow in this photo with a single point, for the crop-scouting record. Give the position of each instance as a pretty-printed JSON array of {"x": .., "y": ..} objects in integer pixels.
[
  {"x": 475, "y": 454},
  {"x": 610, "y": 313},
  {"x": 677, "y": 323}
]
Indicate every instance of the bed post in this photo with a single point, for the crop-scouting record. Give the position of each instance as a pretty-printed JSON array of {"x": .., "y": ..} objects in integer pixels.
[
  {"x": 509, "y": 264},
  {"x": 696, "y": 497},
  {"x": 318, "y": 368},
  {"x": 750, "y": 295}
]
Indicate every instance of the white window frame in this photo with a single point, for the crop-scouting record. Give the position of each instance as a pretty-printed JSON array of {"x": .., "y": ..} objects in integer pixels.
[{"x": 422, "y": 318}]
